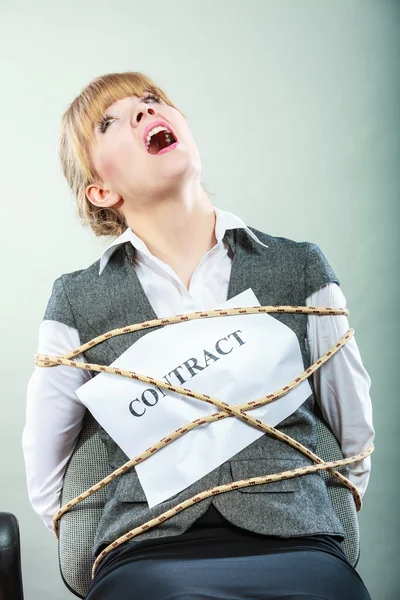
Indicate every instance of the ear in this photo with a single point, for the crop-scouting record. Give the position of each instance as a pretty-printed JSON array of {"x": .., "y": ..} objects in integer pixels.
[{"x": 101, "y": 197}]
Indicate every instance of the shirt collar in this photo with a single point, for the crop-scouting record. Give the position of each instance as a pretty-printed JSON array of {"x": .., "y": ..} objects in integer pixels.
[{"x": 224, "y": 221}]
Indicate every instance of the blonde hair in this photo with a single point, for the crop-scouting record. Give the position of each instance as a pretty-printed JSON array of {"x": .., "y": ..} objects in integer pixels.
[{"x": 76, "y": 135}]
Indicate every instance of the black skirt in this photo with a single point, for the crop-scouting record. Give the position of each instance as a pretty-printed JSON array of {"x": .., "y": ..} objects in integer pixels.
[{"x": 215, "y": 560}]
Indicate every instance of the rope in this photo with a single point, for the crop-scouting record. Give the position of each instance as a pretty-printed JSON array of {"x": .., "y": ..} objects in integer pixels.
[{"x": 226, "y": 410}]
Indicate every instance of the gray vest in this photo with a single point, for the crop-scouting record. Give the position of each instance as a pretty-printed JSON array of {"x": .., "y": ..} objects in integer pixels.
[{"x": 285, "y": 273}]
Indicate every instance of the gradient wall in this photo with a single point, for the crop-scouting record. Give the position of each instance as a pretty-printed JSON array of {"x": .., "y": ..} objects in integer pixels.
[{"x": 295, "y": 108}]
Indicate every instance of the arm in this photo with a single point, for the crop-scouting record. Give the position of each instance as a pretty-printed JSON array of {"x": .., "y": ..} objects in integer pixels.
[
  {"x": 53, "y": 419},
  {"x": 342, "y": 384}
]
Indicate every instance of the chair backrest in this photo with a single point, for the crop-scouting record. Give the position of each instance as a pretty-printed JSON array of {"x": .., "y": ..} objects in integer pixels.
[{"x": 88, "y": 465}]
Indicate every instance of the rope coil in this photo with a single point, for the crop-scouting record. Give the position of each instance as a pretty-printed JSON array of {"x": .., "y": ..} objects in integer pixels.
[{"x": 225, "y": 410}]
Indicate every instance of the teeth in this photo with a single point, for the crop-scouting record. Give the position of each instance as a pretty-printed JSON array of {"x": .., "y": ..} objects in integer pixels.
[{"x": 156, "y": 130}]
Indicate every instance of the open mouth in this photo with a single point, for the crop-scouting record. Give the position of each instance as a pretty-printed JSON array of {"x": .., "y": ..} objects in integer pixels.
[{"x": 160, "y": 139}]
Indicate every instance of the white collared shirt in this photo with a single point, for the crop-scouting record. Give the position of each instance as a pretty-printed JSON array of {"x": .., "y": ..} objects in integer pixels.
[{"x": 341, "y": 388}]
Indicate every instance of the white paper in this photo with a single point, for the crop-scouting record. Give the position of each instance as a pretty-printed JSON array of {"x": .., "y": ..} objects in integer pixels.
[{"x": 256, "y": 355}]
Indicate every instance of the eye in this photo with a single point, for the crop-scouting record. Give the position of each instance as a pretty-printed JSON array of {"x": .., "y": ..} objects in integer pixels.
[
  {"x": 105, "y": 122},
  {"x": 151, "y": 96}
]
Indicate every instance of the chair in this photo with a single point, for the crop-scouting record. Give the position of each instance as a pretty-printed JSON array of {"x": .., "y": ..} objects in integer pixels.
[
  {"x": 10, "y": 558},
  {"x": 88, "y": 465}
]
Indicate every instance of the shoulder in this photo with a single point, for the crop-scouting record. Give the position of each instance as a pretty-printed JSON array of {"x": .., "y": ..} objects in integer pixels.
[
  {"x": 274, "y": 241},
  {"x": 305, "y": 249},
  {"x": 80, "y": 277},
  {"x": 89, "y": 278},
  {"x": 292, "y": 256},
  {"x": 73, "y": 290}
]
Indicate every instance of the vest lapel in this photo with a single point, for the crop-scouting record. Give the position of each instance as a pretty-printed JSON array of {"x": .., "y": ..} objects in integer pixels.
[
  {"x": 131, "y": 304},
  {"x": 246, "y": 261}
]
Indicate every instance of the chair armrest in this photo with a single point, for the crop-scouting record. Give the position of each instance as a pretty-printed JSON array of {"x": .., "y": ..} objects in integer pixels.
[{"x": 10, "y": 558}]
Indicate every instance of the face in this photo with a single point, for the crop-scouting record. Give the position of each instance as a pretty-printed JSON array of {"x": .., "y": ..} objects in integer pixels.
[{"x": 131, "y": 172}]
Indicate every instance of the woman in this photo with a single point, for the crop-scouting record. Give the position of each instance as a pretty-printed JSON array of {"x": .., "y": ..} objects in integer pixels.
[{"x": 176, "y": 253}]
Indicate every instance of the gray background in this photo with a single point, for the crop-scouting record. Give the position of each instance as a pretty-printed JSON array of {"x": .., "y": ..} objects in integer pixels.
[{"x": 295, "y": 108}]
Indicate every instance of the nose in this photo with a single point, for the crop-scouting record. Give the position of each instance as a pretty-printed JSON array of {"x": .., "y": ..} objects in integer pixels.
[{"x": 141, "y": 112}]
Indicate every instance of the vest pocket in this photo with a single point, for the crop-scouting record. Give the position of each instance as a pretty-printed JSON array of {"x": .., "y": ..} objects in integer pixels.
[{"x": 246, "y": 469}]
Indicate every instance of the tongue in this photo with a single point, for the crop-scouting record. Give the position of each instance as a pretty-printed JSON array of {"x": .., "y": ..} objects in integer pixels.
[
  {"x": 158, "y": 142},
  {"x": 154, "y": 146}
]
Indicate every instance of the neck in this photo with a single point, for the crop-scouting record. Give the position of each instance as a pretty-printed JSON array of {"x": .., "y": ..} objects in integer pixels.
[{"x": 179, "y": 229}]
